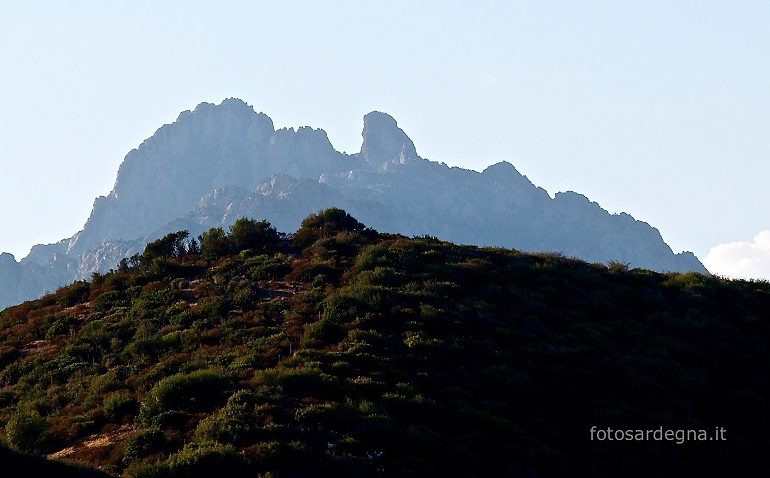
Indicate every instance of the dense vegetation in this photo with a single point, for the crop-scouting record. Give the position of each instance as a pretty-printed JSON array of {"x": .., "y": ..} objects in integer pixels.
[{"x": 341, "y": 351}]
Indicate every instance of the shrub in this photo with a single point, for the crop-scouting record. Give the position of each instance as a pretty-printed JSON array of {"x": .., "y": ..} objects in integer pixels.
[
  {"x": 153, "y": 296},
  {"x": 380, "y": 276},
  {"x": 109, "y": 300},
  {"x": 26, "y": 429},
  {"x": 144, "y": 443},
  {"x": 58, "y": 326},
  {"x": 230, "y": 424},
  {"x": 144, "y": 348},
  {"x": 267, "y": 267},
  {"x": 197, "y": 461},
  {"x": 74, "y": 293},
  {"x": 371, "y": 337},
  {"x": 326, "y": 223},
  {"x": 207, "y": 460},
  {"x": 185, "y": 391},
  {"x": 618, "y": 266},
  {"x": 147, "y": 470},
  {"x": 210, "y": 310},
  {"x": 119, "y": 404},
  {"x": 302, "y": 381},
  {"x": 321, "y": 333},
  {"x": 246, "y": 296},
  {"x": 251, "y": 234},
  {"x": 103, "y": 384},
  {"x": 321, "y": 413}
]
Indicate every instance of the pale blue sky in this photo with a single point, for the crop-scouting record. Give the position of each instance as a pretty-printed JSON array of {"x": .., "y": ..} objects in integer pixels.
[{"x": 657, "y": 108}]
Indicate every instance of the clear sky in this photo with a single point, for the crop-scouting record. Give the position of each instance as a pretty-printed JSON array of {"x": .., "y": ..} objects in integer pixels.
[{"x": 657, "y": 108}]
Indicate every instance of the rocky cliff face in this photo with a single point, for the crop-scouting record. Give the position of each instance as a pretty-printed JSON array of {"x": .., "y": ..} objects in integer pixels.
[
  {"x": 221, "y": 162},
  {"x": 385, "y": 143}
]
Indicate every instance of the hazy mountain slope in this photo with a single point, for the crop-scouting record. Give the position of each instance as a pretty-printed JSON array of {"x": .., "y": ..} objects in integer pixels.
[{"x": 221, "y": 161}]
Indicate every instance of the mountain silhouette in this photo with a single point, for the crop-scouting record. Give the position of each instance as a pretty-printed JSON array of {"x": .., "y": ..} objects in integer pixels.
[{"x": 220, "y": 162}]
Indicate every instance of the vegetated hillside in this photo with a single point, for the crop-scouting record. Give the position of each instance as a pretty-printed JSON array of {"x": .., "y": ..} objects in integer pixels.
[{"x": 340, "y": 351}]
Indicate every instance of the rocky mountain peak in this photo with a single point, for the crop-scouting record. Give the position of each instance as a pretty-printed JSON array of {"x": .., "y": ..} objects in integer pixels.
[
  {"x": 209, "y": 147},
  {"x": 220, "y": 162},
  {"x": 503, "y": 168},
  {"x": 574, "y": 199},
  {"x": 7, "y": 258},
  {"x": 302, "y": 140},
  {"x": 505, "y": 172},
  {"x": 384, "y": 142}
]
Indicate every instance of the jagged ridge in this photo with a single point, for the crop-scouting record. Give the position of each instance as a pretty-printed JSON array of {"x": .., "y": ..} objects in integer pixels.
[{"x": 221, "y": 161}]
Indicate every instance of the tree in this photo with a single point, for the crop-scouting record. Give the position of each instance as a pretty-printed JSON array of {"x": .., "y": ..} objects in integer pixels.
[
  {"x": 251, "y": 234},
  {"x": 215, "y": 243},
  {"x": 326, "y": 223},
  {"x": 193, "y": 247},
  {"x": 170, "y": 245}
]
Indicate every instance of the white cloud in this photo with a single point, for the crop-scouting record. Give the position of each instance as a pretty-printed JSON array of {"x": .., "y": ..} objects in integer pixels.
[{"x": 746, "y": 260}]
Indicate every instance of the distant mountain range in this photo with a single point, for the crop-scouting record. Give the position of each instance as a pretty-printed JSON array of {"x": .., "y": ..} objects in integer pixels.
[{"x": 221, "y": 162}]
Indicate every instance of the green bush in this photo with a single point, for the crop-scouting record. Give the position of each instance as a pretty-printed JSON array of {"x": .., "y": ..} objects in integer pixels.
[
  {"x": 109, "y": 300},
  {"x": 380, "y": 276},
  {"x": 119, "y": 404},
  {"x": 147, "y": 470},
  {"x": 209, "y": 311},
  {"x": 193, "y": 391},
  {"x": 371, "y": 337},
  {"x": 102, "y": 384},
  {"x": 346, "y": 307},
  {"x": 74, "y": 293},
  {"x": 195, "y": 461},
  {"x": 322, "y": 333},
  {"x": 250, "y": 234},
  {"x": 326, "y": 223},
  {"x": 26, "y": 430},
  {"x": 267, "y": 267},
  {"x": 246, "y": 296},
  {"x": 301, "y": 381},
  {"x": 144, "y": 348},
  {"x": 232, "y": 423},
  {"x": 151, "y": 299},
  {"x": 57, "y": 327},
  {"x": 143, "y": 443},
  {"x": 208, "y": 460}
]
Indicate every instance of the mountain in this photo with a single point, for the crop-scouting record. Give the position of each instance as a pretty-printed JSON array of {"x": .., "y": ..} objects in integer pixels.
[
  {"x": 222, "y": 161},
  {"x": 341, "y": 351}
]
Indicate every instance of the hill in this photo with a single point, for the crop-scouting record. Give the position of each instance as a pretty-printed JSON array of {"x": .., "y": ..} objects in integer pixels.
[
  {"x": 221, "y": 162},
  {"x": 342, "y": 351}
]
